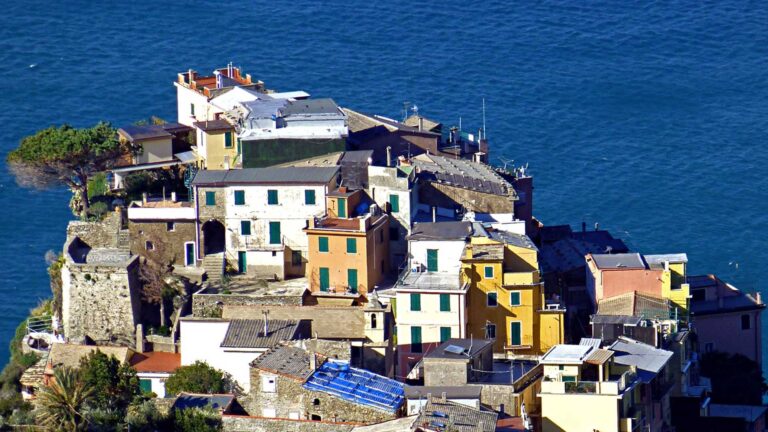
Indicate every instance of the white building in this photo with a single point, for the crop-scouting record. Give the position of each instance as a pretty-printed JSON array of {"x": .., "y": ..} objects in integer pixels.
[
  {"x": 263, "y": 212},
  {"x": 393, "y": 188},
  {"x": 231, "y": 345}
]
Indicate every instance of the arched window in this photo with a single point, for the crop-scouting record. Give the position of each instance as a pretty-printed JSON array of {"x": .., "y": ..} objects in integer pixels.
[
  {"x": 373, "y": 321},
  {"x": 316, "y": 402}
]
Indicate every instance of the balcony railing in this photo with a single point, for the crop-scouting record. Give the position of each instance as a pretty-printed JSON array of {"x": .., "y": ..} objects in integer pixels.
[{"x": 612, "y": 387}]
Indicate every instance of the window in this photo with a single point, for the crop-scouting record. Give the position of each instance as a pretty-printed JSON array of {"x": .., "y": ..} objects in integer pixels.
[
  {"x": 245, "y": 227},
  {"x": 145, "y": 385},
  {"x": 170, "y": 226},
  {"x": 351, "y": 245},
  {"x": 239, "y": 197},
  {"x": 445, "y": 303},
  {"x": 316, "y": 402},
  {"x": 488, "y": 272},
  {"x": 492, "y": 300},
  {"x": 416, "y": 339},
  {"x": 561, "y": 367},
  {"x": 516, "y": 333},
  {"x": 490, "y": 331},
  {"x": 148, "y": 245},
  {"x": 432, "y": 260},
  {"x": 192, "y": 109},
  {"x": 227, "y": 139},
  {"x": 352, "y": 280},
  {"x": 268, "y": 412},
  {"x": 296, "y": 258},
  {"x": 415, "y": 302},
  {"x": 374, "y": 324},
  {"x": 514, "y": 298},
  {"x": 210, "y": 198},
  {"x": 272, "y": 197},
  {"x": 394, "y": 203},
  {"x": 325, "y": 278},
  {"x": 274, "y": 233},
  {"x": 445, "y": 334},
  {"x": 394, "y": 234},
  {"x": 309, "y": 197},
  {"x": 569, "y": 378},
  {"x": 268, "y": 383},
  {"x": 322, "y": 243},
  {"x": 745, "y": 324},
  {"x": 315, "y": 417}
]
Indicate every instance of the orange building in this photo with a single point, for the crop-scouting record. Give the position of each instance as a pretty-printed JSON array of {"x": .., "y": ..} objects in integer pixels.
[{"x": 348, "y": 249}]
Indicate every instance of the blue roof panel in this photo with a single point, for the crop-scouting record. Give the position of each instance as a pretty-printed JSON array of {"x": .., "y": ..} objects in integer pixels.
[{"x": 357, "y": 385}]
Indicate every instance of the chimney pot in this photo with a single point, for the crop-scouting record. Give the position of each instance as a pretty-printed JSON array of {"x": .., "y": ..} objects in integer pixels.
[
  {"x": 144, "y": 197},
  {"x": 173, "y": 196},
  {"x": 434, "y": 214},
  {"x": 389, "y": 156},
  {"x": 312, "y": 361}
]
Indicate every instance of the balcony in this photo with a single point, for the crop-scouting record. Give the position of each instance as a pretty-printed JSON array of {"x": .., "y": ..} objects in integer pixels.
[
  {"x": 521, "y": 278},
  {"x": 611, "y": 387}
]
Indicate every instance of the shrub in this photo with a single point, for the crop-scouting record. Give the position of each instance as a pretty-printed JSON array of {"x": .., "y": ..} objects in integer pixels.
[
  {"x": 197, "y": 420},
  {"x": 195, "y": 378}
]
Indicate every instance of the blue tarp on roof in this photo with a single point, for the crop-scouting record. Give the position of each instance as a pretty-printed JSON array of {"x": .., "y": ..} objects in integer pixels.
[{"x": 357, "y": 385}]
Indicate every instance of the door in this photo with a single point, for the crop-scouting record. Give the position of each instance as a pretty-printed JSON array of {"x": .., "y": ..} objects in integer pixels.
[
  {"x": 274, "y": 233},
  {"x": 342, "y": 204},
  {"x": 515, "y": 333},
  {"x": 325, "y": 279},
  {"x": 242, "y": 261},
  {"x": 352, "y": 280},
  {"x": 189, "y": 254},
  {"x": 432, "y": 260}
]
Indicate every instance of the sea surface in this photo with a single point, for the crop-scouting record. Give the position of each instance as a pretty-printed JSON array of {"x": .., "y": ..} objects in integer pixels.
[{"x": 647, "y": 118}]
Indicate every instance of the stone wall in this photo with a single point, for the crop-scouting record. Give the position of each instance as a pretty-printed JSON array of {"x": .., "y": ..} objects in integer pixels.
[
  {"x": 102, "y": 302},
  {"x": 97, "y": 234},
  {"x": 168, "y": 245},
  {"x": 231, "y": 423},
  {"x": 212, "y": 305},
  {"x": 291, "y": 398},
  {"x": 446, "y": 196}
]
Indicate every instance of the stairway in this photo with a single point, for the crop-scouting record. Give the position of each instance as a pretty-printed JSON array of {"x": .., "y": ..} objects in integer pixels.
[
  {"x": 123, "y": 239},
  {"x": 214, "y": 266}
]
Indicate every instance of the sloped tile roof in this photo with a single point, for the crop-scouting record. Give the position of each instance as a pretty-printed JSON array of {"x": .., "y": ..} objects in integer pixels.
[
  {"x": 243, "y": 333},
  {"x": 285, "y": 360},
  {"x": 440, "y": 415},
  {"x": 358, "y": 386}
]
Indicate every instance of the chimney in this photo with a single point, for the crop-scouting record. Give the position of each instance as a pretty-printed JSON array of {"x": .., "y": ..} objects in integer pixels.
[
  {"x": 190, "y": 76},
  {"x": 173, "y": 196},
  {"x": 139, "y": 338},
  {"x": 266, "y": 323},
  {"x": 758, "y": 298},
  {"x": 144, "y": 198},
  {"x": 312, "y": 361},
  {"x": 342, "y": 189},
  {"x": 443, "y": 398},
  {"x": 389, "y": 156},
  {"x": 434, "y": 214},
  {"x": 477, "y": 157},
  {"x": 421, "y": 123}
]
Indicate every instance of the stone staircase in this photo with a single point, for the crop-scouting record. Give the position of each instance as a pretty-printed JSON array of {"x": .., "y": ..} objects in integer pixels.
[
  {"x": 214, "y": 266},
  {"x": 123, "y": 239}
]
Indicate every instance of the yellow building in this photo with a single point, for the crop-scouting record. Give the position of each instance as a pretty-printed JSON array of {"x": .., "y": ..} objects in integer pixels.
[
  {"x": 217, "y": 144},
  {"x": 506, "y": 295},
  {"x": 675, "y": 287},
  {"x": 347, "y": 252}
]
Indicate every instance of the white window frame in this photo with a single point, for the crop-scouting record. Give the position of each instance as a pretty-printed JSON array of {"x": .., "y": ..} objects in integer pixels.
[{"x": 269, "y": 384}]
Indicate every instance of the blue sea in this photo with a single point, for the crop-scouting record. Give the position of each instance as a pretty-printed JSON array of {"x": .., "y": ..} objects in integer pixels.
[{"x": 647, "y": 118}]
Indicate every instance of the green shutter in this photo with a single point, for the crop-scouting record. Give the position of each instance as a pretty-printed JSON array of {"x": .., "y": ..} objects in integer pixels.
[
  {"x": 309, "y": 197},
  {"x": 415, "y": 302},
  {"x": 394, "y": 203},
  {"x": 352, "y": 279},
  {"x": 239, "y": 197},
  {"x": 242, "y": 261},
  {"x": 145, "y": 385},
  {"x": 445, "y": 334},
  {"x": 432, "y": 260},
  {"x": 274, "y": 233},
  {"x": 239, "y": 146},
  {"x": 296, "y": 258},
  {"x": 322, "y": 244},
  {"x": 192, "y": 109},
  {"x": 351, "y": 245},
  {"x": 245, "y": 227},
  {"x": 492, "y": 299},
  {"x": 342, "y": 204},
  {"x": 489, "y": 272},
  {"x": 272, "y": 197},
  {"x": 416, "y": 339},
  {"x": 227, "y": 139},
  {"x": 445, "y": 303},
  {"x": 514, "y": 299},
  {"x": 515, "y": 333},
  {"x": 325, "y": 279},
  {"x": 210, "y": 198}
]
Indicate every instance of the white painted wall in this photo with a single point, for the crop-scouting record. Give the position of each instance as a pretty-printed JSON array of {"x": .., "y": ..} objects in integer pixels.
[
  {"x": 201, "y": 340},
  {"x": 159, "y": 150},
  {"x": 203, "y": 109},
  {"x": 430, "y": 318},
  {"x": 448, "y": 257},
  {"x": 157, "y": 380}
]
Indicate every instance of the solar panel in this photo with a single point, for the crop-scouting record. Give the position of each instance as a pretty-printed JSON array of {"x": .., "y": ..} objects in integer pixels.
[{"x": 439, "y": 414}]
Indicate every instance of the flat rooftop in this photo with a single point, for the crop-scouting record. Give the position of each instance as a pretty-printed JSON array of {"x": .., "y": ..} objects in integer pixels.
[
  {"x": 567, "y": 354},
  {"x": 619, "y": 261},
  {"x": 432, "y": 281},
  {"x": 252, "y": 286}
]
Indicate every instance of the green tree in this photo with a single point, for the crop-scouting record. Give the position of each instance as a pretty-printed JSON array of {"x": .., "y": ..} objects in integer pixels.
[
  {"x": 195, "y": 378},
  {"x": 197, "y": 420},
  {"x": 61, "y": 405},
  {"x": 736, "y": 379},
  {"x": 115, "y": 385},
  {"x": 66, "y": 155}
]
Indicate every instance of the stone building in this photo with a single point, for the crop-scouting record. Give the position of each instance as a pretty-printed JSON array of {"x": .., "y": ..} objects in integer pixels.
[
  {"x": 163, "y": 230},
  {"x": 100, "y": 285},
  {"x": 293, "y": 383}
]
